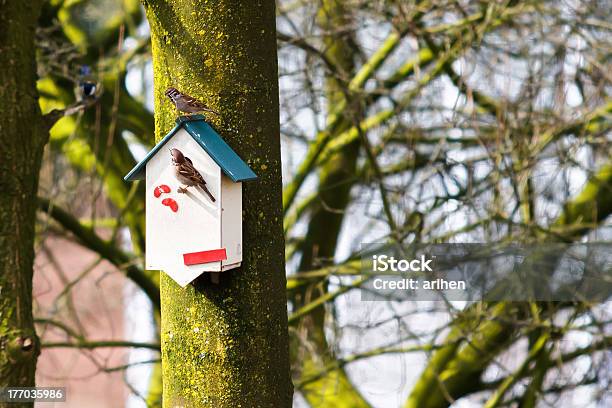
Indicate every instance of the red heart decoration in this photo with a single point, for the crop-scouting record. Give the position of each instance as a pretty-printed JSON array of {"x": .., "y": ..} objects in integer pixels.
[
  {"x": 169, "y": 202},
  {"x": 159, "y": 190}
]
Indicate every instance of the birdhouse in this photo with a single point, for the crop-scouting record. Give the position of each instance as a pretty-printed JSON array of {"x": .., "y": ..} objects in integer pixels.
[{"x": 193, "y": 202}]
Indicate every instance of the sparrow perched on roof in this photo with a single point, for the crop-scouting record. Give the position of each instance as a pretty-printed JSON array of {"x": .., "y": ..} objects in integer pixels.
[
  {"x": 186, "y": 103},
  {"x": 187, "y": 174}
]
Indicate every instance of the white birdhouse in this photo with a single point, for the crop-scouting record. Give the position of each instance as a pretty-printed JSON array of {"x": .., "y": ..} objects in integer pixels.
[{"x": 188, "y": 231}]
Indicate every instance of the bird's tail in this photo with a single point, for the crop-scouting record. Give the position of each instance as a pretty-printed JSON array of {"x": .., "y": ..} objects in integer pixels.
[
  {"x": 208, "y": 192},
  {"x": 212, "y": 111}
]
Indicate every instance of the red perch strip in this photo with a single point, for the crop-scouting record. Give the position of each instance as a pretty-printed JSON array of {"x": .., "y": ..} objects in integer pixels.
[{"x": 213, "y": 255}]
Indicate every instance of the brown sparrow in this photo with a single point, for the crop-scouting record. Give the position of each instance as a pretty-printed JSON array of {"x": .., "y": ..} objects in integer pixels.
[
  {"x": 186, "y": 103},
  {"x": 187, "y": 174}
]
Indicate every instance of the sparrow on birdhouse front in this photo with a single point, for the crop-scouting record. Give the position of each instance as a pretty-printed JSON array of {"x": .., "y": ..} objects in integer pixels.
[
  {"x": 187, "y": 174},
  {"x": 186, "y": 103}
]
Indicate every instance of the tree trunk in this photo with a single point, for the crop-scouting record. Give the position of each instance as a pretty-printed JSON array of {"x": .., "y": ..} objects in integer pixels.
[
  {"x": 226, "y": 345},
  {"x": 22, "y": 140}
]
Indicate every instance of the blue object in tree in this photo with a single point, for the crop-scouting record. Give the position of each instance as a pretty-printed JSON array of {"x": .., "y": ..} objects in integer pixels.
[{"x": 87, "y": 85}]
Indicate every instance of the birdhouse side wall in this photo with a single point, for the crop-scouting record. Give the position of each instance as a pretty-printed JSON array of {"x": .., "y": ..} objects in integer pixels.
[
  {"x": 231, "y": 222},
  {"x": 194, "y": 224}
]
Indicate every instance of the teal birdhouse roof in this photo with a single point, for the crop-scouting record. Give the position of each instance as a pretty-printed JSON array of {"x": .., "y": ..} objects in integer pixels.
[{"x": 209, "y": 140}]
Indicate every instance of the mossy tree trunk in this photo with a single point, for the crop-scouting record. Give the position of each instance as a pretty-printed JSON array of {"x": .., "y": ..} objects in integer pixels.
[
  {"x": 22, "y": 140},
  {"x": 226, "y": 345}
]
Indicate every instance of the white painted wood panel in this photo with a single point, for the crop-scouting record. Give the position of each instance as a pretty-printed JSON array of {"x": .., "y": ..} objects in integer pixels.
[
  {"x": 196, "y": 226},
  {"x": 231, "y": 222}
]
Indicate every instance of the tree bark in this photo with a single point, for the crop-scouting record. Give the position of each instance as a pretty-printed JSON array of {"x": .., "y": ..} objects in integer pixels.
[
  {"x": 226, "y": 345},
  {"x": 22, "y": 140}
]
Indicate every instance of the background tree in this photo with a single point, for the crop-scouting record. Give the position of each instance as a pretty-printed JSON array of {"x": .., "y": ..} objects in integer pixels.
[
  {"x": 23, "y": 135},
  {"x": 439, "y": 170}
]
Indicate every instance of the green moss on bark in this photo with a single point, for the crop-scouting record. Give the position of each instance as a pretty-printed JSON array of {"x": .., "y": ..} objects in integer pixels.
[
  {"x": 226, "y": 345},
  {"x": 22, "y": 140}
]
